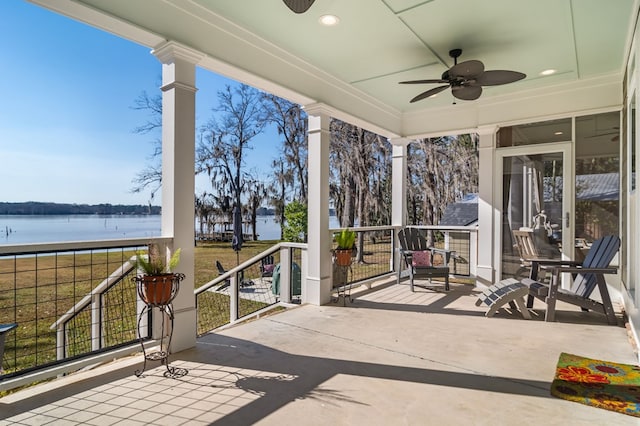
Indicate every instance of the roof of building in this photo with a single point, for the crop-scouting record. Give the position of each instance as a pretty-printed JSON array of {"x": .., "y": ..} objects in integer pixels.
[{"x": 460, "y": 214}]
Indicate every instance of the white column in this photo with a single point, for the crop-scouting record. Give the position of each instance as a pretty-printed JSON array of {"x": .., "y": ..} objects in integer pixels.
[
  {"x": 399, "y": 181},
  {"x": 316, "y": 289},
  {"x": 178, "y": 186},
  {"x": 398, "y": 189},
  {"x": 488, "y": 207}
]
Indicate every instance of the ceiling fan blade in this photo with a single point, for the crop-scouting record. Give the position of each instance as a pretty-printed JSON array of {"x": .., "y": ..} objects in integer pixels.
[
  {"x": 428, "y": 93},
  {"x": 467, "y": 69},
  {"x": 497, "y": 77},
  {"x": 467, "y": 93},
  {"x": 423, "y": 81},
  {"x": 299, "y": 6}
]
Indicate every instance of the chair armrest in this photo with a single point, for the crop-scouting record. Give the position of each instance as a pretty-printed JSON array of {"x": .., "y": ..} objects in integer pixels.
[
  {"x": 407, "y": 256},
  {"x": 538, "y": 263},
  {"x": 446, "y": 254},
  {"x": 5, "y": 328},
  {"x": 554, "y": 262},
  {"x": 563, "y": 269}
]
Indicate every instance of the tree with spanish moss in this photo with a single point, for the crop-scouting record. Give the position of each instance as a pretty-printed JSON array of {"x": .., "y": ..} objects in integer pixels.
[
  {"x": 227, "y": 136},
  {"x": 360, "y": 173},
  {"x": 291, "y": 123},
  {"x": 441, "y": 171}
]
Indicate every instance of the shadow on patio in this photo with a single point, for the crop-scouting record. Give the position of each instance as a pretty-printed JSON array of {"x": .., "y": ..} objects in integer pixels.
[{"x": 390, "y": 357}]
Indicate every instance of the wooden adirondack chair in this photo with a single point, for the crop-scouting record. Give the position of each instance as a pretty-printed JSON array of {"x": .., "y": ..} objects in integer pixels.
[
  {"x": 525, "y": 245},
  {"x": 528, "y": 250},
  {"x": 587, "y": 275},
  {"x": 412, "y": 245},
  {"x": 267, "y": 265}
]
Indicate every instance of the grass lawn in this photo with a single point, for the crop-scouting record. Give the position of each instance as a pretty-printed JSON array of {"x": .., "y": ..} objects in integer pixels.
[{"x": 208, "y": 252}]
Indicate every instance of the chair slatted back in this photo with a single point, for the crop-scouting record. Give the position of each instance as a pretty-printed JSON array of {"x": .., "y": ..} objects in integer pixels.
[
  {"x": 220, "y": 268},
  {"x": 526, "y": 245},
  {"x": 412, "y": 239},
  {"x": 600, "y": 255}
]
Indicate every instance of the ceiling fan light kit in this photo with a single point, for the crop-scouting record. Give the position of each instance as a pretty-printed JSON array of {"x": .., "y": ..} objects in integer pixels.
[
  {"x": 299, "y": 6},
  {"x": 466, "y": 79}
]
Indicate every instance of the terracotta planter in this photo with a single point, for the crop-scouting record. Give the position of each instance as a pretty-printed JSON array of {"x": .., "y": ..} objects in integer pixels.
[
  {"x": 343, "y": 257},
  {"x": 158, "y": 289}
]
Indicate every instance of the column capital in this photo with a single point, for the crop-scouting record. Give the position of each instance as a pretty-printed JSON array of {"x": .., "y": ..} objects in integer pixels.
[
  {"x": 169, "y": 51},
  {"x": 318, "y": 109},
  {"x": 400, "y": 141},
  {"x": 488, "y": 130},
  {"x": 487, "y": 137}
]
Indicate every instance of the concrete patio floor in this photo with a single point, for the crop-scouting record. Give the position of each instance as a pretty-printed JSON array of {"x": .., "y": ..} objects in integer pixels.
[{"x": 391, "y": 357}]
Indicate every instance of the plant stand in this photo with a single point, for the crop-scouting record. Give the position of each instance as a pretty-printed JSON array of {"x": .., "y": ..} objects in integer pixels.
[
  {"x": 343, "y": 289},
  {"x": 165, "y": 308}
]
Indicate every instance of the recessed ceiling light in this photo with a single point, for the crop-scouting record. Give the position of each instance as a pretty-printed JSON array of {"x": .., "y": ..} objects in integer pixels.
[
  {"x": 548, "y": 72},
  {"x": 558, "y": 133},
  {"x": 329, "y": 20}
]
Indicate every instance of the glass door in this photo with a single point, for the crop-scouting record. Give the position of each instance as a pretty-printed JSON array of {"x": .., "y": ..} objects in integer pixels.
[{"x": 534, "y": 219}]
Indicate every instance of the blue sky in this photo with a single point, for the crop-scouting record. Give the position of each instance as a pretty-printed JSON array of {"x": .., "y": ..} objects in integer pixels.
[{"x": 66, "y": 117}]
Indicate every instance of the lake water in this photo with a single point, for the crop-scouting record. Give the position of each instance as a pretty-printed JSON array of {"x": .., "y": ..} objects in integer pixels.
[{"x": 19, "y": 229}]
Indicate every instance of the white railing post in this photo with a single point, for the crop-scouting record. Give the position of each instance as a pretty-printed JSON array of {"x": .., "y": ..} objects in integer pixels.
[
  {"x": 392, "y": 262},
  {"x": 233, "y": 297},
  {"x": 473, "y": 253},
  {"x": 304, "y": 268},
  {"x": 61, "y": 341},
  {"x": 96, "y": 321},
  {"x": 285, "y": 275}
]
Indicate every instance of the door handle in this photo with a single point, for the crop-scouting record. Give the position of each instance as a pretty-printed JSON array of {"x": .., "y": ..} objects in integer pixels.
[{"x": 566, "y": 220}]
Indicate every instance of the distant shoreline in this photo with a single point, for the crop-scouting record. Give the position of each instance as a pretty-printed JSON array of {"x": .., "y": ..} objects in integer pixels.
[
  {"x": 34, "y": 208},
  {"x": 38, "y": 208}
]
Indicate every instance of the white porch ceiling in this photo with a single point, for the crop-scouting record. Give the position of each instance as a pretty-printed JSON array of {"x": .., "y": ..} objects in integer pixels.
[{"x": 355, "y": 66}]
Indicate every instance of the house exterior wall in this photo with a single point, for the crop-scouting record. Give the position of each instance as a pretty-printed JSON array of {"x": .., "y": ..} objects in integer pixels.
[{"x": 629, "y": 192}]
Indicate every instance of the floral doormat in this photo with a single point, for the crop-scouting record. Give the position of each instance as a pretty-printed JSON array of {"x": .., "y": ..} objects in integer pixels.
[{"x": 601, "y": 384}]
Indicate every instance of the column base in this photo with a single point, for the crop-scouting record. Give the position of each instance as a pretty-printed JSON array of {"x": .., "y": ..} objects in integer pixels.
[{"x": 316, "y": 291}]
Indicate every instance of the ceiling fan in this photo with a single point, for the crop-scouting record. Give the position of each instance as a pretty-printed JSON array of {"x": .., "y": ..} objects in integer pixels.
[
  {"x": 299, "y": 6},
  {"x": 466, "y": 79}
]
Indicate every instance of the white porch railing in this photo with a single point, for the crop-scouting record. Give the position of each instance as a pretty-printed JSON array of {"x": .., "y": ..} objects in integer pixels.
[
  {"x": 74, "y": 303},
  {"x": 247, "y": 289}
]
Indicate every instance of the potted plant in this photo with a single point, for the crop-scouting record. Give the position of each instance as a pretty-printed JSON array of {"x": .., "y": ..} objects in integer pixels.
[
  {"x": 158, "y": 284},
  {"x": 345, "y": 240}
]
